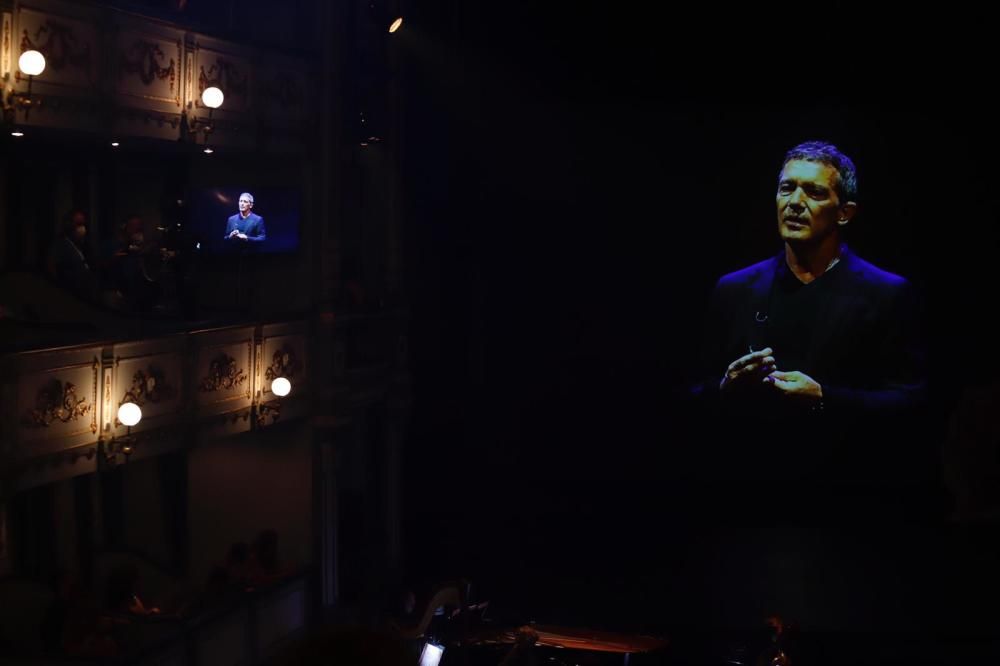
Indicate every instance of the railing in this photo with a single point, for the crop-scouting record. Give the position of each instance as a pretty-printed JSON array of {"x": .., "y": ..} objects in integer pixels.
[{"x": 58, "y": 407}]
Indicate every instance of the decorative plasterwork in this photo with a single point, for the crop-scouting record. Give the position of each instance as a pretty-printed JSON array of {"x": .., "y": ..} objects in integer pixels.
[
  {"x": 223, "y": 374},
  {"x": 60, "y": 401},
  {"x": 224, "y": 74},
  {"x": 284, "y": 363},
  {"x": 149, "y": 385},
  {"x": 56, "y": 401},
  {"x": 226, "y": 70},
  {"x": 109, "y": 410},
  {"x": 6, "y": 43},
  {"x": 149, "y": 67},
  {"x": 69, "y": 45}
]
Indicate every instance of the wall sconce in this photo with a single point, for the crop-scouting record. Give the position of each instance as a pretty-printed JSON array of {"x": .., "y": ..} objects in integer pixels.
[
  {"x": 129, "y": 414},
  {"x": 31, "y": 64},
  {"x": 212, "y": 98},
  {"x": 280, "y": 387}
]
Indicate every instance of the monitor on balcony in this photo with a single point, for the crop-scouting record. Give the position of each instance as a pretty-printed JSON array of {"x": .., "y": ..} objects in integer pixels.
[{"x": 236, "y": 219}]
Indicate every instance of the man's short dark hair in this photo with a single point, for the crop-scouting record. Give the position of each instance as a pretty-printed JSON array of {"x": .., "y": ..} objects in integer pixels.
[{"x": 827, "y": 153}]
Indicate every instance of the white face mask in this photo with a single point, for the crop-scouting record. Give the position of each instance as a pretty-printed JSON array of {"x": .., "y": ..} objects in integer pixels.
[{"x": 79, "y": 231}]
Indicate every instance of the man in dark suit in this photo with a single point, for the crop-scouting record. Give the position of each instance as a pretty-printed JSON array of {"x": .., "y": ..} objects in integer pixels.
[
  {"x": 816, "y": 343},
  {"x": 814, "y": 393},
  {"x": 246, "y": 226}
]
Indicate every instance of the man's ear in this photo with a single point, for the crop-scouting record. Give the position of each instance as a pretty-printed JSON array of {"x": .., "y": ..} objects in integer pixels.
[{"x": 847, "y": 212}]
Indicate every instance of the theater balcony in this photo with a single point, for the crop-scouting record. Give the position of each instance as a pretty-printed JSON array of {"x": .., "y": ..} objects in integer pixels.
[{"x": 255, "y": 485}]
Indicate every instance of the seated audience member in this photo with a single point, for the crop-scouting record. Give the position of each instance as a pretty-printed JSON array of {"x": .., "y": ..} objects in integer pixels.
[
  {"x": 67, "y": 264},
  {"x": 67, "y": 261},
  {"x": 71, "y": 625},
  {"x": 123, "y": 593},
  {"x": 239, "y": 569},
  {"x": 128, "y": 264},
  {"x": 265, "y": 567}
]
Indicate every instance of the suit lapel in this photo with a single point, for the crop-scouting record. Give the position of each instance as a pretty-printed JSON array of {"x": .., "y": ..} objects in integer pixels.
[{"x": 758, "y": 314}]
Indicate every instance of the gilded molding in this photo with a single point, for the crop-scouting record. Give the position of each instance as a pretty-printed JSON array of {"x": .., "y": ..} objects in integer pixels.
[
  {"x": 149, "y": 385},
  {"x": 222, "y": 375},
  {"x": 61, "y": 47},
  {"x": 6, "y": 36},
  {"x": 284, "y": 363},
  {"x": 143, "y": 58},
  {"x": 56, "y": 401}
]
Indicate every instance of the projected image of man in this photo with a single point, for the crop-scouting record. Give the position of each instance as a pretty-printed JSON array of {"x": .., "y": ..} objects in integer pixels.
[{"x": 246, "y": 227}]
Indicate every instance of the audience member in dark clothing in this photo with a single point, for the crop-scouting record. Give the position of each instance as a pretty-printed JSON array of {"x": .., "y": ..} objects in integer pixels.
[
  {"x": 67, "y": 261},
  {"x": 128, "y": 263},
  {"x": 64, "y": 597},
  {"x": 71, "y": 625},
  {"x": 238, "y": 565},
  {"x": 265, "y": 552},
  {"x": 123, "y": 593},
  {"x": 68, "y": 266}
]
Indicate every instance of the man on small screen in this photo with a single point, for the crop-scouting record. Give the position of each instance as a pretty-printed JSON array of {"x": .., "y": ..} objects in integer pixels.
[{"x": 245, "y": 226}]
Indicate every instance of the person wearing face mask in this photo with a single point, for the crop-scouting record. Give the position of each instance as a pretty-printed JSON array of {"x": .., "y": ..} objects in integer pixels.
[
  {"x": 129, "y": 266},
  {"x": 67, "y": 262}
]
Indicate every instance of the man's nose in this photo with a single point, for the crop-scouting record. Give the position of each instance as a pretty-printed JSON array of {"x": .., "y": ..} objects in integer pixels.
[{"x": 795, "y": 200}]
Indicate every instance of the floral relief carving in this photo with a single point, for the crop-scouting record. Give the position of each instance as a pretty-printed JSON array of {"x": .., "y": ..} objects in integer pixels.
[
  {"x": 61, "y": 47},
  {"x": 223, "y": 374},
  {"x": 284, "y": 363},
  {"x": 225, "y": 75},
  {"x": 145, "y": 59},
  {"x": 56, "y": 401},
  {"x": 149, "y": 385}
]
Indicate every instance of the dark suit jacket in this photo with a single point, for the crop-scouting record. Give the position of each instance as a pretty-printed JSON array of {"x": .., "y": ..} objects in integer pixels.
[
  {"x": 867, "y": 353},
  {"x": 252, "y": 226}
]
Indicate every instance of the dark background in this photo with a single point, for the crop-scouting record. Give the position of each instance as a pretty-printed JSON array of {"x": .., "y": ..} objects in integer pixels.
[
  {"x": 575, "y": 178},
  {"x": 578, "y": 176}
]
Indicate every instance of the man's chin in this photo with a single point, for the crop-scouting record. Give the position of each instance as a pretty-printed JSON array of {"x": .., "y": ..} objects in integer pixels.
[{"x": 797, "y": 236}]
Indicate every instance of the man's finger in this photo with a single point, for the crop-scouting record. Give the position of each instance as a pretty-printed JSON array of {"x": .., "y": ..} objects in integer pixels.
[
  {"x": 750, "y": 358},
  {"x": 778, "y": 383}
]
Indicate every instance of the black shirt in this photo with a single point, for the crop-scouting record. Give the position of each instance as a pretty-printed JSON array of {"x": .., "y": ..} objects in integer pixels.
[{"x": 796, "y": 310}]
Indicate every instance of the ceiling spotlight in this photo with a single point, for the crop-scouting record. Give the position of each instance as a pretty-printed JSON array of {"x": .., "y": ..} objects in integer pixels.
[
  {"x": 17, "y": 133},
  {"x": 208, "y": 151},
  {"x": 396, "y": 25},
  {"x": 114, "y": 144}
]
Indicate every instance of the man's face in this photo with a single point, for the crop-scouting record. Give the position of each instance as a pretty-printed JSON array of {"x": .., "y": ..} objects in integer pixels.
[
  {"x": 809, "y": 209},
  {"x": 245, "y": 205},
  {"x": 79, "y": 226}
]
